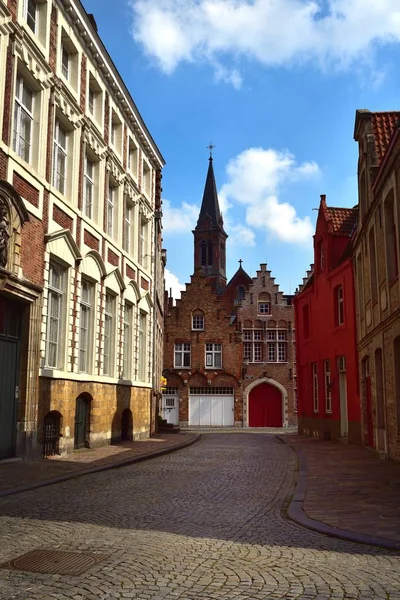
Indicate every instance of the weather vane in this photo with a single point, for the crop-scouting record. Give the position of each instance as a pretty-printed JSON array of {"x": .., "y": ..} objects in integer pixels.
[{"x": 211, "y": 147}]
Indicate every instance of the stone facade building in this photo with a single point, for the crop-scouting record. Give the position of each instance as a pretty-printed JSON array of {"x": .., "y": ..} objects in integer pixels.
[
  {"x": 80, "y": 219},
  {"x": 222, "y": 366},
  {"x": 327, "y": 365},
  {"x": 376, "y": 264}
]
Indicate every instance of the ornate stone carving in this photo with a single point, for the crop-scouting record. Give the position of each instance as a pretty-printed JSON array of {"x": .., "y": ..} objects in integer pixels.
[{"x": 4, "y": 233}]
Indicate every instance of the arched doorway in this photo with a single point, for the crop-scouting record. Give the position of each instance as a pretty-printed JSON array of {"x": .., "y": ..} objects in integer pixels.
[
  {"x": 51, "y": 433},
  {"x": 265, "y": 406},
  {"x": 81, "y": 436},
  {"x": 126, "y": 426}
]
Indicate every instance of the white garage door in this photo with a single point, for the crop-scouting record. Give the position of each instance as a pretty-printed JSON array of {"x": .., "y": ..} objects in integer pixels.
[{"x": 211, "y": 409}]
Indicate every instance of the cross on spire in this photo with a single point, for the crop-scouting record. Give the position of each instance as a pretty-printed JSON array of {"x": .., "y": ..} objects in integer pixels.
[
  {"x": 211, "y": 147},
  {"x": 240, "y": 262}
]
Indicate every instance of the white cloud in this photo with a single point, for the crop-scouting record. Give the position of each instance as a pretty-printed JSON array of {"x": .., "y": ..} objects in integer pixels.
[
  {"x": 273, "y": 32},
  {"x": 172, "y": 284},
  {"x": 255, "y": 177},
  {"x": 179, "y": 219},
  {"x": 240, "y": 235}
]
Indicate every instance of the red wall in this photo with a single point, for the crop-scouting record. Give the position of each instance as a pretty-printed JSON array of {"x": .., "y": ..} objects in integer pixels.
[{"x": 327, "y": 341}]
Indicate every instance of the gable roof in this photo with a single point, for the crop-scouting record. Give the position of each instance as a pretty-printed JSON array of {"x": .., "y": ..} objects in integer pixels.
[
  {"x": 383, "y": 125},
  {"x": 343, "y": 220}
]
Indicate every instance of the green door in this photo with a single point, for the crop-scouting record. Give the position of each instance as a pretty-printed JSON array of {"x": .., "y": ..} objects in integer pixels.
[
  {"x": 9, "y": 365},
  {"x": 81, "y": 422}
]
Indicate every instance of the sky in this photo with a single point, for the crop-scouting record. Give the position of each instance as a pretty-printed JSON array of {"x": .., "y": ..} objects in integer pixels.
[{"x": 274, "y": 85}]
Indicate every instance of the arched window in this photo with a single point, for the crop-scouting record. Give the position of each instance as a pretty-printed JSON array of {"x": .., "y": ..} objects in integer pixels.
[
  {"x": 240, "y": 292},
  {"x": 264, "y": 303},
  {"x": 203, "y": 253},
  {"x": 210, "y": 253}
]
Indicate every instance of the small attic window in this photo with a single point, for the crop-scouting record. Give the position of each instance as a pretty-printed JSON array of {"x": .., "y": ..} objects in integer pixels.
[{"x": 241, "y": 292}]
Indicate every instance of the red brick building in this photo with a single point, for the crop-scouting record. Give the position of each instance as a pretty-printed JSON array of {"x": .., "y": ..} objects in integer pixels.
[
  {"x": 213, "y": 375},
  {"x": 327, "y": 363}
]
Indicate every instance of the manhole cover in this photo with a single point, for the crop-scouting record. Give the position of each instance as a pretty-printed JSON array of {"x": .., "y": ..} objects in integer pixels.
[{"x": 54, "y": 562}]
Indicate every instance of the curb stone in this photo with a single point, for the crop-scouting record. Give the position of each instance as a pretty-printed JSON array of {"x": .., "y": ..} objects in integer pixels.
[
  {"x": 105, "y": 467},
  {"x": 296, "y": 513}
]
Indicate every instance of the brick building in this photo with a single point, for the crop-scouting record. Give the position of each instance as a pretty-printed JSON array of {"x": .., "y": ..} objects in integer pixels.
[
  {"x": 214, "y": 371},
  {"x": 377, "y": 278},
  {"x": 80, "y": 244},
  {"x": 327, "y": 364}
]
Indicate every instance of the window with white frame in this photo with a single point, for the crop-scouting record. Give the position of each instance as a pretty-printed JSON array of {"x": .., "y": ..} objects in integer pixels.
[
  {"x": 182, "y": 355},
  {"x": 339, "y": 305},
  {"x": 328, "y": 391},
  {"x": 108, "y": 338},
  {"x": 133, "y": 157},
  {"x": 128, "y": 223},
  {"x": 65, "y": 66},
  {"x": 30, "y": 10},
  {"x": 60, "y": 158},
  {"x": 89, "y": 188},
  {"x": 56, "y": 311},
  {"x": 142, "y": 253},
  {"x": 116, "y": 131},
  {"x": 95, "y": 99},
  {"x": 198, "y": 321},
  {"x": 277, "y": 345},
  {"x": 23, "y": 119},
  {"x": 253, "y": 345},
  {"x": 264, "y": 303},
  {"x": 214, "y": 356},
  {"x": 86, "y": 326},
  {"x": 315, "y": 386},
  {"x": 142, "y": 346},
  {"x": 127, "y": 349},
  {"x": 146, "y": 179},
  {"x": 111, "y": 209}
]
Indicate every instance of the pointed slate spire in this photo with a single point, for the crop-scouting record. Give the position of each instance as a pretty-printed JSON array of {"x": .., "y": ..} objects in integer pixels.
[{"x": 210, "y": 204}]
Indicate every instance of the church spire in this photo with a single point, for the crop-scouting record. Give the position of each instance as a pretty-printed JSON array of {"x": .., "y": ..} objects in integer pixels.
[
  {"x": 210, "y": 206},
  {"x": 210, "y": 237}
]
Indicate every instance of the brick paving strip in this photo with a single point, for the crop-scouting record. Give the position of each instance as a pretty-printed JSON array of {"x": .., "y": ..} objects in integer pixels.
[
  {"x": 20, "y": 476},
  {"x": 346, "y": 491}
]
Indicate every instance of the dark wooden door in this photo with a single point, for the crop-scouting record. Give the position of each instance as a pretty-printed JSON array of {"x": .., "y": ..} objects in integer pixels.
[
  {"x": 265, "y": 406},
  {"x": 9, "y": 374},
  {"x": 81, "y": 422}
]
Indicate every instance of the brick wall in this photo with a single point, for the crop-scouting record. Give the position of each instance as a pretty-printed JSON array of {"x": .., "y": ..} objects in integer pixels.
[
  {"x": 3, "y": 164},
  {"x": 32, "y": 250},
  {"x": 53, "y": 38},
  {"x": 90, "y": 240},
  {"x": 113, "y": 258},
  {"x": 62, "y": 219},
  {"x": 144, "y": 284},
  {"x": 25, "y": 189},
  {"x": 130, "y": 272},
  {"x": 8, "y": 91}
]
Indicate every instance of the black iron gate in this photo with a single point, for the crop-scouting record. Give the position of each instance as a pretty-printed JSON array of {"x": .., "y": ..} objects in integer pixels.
[{"x": 51, "y": 439}]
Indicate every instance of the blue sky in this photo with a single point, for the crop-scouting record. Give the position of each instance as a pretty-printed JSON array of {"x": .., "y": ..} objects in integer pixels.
[{"x": 274, "y": 84}]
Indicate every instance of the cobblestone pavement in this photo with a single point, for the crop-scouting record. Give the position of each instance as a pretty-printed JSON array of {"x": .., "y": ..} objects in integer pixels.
[{"x": 204, "y": 523}]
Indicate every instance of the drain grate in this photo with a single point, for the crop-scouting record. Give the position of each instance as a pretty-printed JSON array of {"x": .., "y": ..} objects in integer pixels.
[{"x": 54, "y": 562}]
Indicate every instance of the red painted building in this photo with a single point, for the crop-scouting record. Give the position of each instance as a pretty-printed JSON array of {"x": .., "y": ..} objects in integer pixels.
[{"x": 327, "y": 364}]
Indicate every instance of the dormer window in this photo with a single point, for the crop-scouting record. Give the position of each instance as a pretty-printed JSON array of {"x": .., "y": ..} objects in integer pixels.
[
  {"x": 198, "y": 321},
  {"x": 264, "y": 303}
]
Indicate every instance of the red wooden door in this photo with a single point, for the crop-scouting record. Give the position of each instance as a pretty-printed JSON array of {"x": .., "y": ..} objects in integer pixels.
[
  {"x": 370, "y": 433},
  {"x": 265, "y": 406}
]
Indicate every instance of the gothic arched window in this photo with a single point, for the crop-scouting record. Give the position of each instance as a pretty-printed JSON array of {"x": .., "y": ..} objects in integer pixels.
[
  {"x": 210, "y": 253},
  {"x": 203, "y": 253}
]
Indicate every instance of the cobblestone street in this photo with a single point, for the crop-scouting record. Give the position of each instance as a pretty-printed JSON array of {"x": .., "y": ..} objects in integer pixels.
[{"x": 205, "y": 522}]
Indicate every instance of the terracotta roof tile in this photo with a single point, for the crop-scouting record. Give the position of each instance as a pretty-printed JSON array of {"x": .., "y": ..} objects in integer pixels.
[
  {"x": 383, "y": 126},
  {"x": 343, "y": 219}
]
